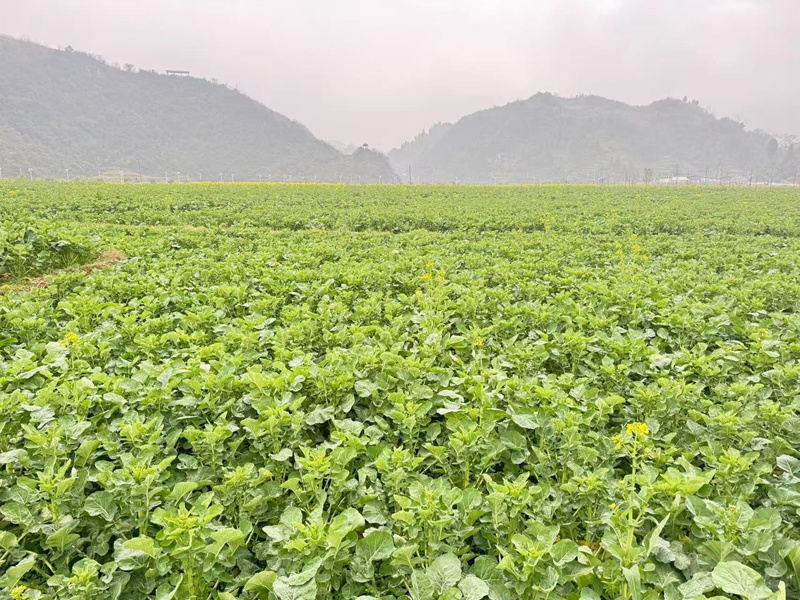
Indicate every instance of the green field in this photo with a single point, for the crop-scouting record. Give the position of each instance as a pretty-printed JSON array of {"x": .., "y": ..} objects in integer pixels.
[{"x": 298, "y": 392}]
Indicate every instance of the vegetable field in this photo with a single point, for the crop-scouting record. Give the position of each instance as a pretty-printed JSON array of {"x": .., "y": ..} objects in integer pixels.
[{"x": 379, "y": 392}]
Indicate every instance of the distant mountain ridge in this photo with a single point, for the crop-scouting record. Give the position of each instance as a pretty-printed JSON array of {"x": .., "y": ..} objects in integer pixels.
[
  {"x": 64, "y": 110},
  {"x": 589, "y": 138}
]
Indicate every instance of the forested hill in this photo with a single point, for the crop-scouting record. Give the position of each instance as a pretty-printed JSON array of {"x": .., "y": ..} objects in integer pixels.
[
  {"x": 68, "y": 110},
  {"x": 588, "y": 138}
]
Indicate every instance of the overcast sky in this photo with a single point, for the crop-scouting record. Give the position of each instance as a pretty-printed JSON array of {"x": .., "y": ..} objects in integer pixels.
[{"x": 379, "y": 71}]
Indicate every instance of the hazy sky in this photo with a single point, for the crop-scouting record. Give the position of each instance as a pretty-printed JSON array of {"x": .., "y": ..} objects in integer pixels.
[{"x": 379, "y": 71}]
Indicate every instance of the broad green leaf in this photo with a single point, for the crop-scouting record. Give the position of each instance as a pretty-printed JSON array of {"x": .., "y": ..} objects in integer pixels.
[
  {"x": 181, "y": 490},
  {"x": 61, "y": 538},
  {"x": 526, "y": 421},
  {"x": 349, "y": 520},
  {"x": 261, "y": 583},
  {"x": 451, "y": 594},
  {"x": 222, "y": 537},
  {"x": 365, "y": 388},
  {"x": 135, "y": 553},
  {"x": 12, "y": 575},
  {"x": 167, "y": 591},
  {"x": 377, "y": 545},
  {"x": 18, "y": 514},
  {"x": 320, "y": 415},
  {"x": 101, "y": 504},
  {"x": 700, "y": 583},
  {"x": 793, "y": 560},
  {"x": 420, "y": 586},
  {"x": 564, "y": 551},
  {"x": 444, "y": 572},
  {"x": 8, "y": 540},
  {"x": 14, "y": 457},
  {"x": 473, "y": 588},
  {"x": 791, "y": 466},
  {"x": 143, "y": 544},
  {"x": 733, "y": 577},
  {"x": 284, "y": 591}
]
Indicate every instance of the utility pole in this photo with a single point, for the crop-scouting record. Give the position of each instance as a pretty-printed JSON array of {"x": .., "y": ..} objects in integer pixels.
[
  {"x": 410, "y": 179},
  {"x": 30, "y": 172},
  {"x": 231, "y": 177},
  {"x": 166, "y": 177},
  {"x": 67, "y": 170}
]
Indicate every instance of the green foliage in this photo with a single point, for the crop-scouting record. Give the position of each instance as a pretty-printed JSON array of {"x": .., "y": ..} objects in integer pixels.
[
  {"x": 423, "y": 401},
  {"x": 27, "y": 250}
]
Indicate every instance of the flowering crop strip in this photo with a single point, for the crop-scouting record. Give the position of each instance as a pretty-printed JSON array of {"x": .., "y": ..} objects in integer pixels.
[{"x": 299, "y": 392}]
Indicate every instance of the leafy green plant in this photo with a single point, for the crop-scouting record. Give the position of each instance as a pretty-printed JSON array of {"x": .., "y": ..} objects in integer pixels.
[{"x": 463, "y": 411}]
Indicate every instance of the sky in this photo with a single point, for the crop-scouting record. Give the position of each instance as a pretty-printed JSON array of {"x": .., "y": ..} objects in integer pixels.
[{"x": 381, "y": 71}]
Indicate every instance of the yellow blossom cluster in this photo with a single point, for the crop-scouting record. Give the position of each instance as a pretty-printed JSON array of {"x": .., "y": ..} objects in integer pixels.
[
  {"x": 429, "y": 274},
  {"x": 636, "y": 249},
  {"x": 20, "y": 592},
  {"x": 632, "y": 431},
  {"x": 637, "y": 429},
  {"x": 70, "y": 340}
]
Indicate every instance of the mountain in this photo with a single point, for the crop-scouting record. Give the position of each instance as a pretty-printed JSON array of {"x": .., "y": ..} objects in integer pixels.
[
  {"x": 343, "y": 147},
  {"x": 69, "y": 110},
  {"x": 588, "y": 138},
  {"x": 411, "y": 153}
]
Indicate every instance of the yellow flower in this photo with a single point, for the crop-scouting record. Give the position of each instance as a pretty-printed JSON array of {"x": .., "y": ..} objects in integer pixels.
[
  {"x": 20, "y": 593},
  {"x": 634, "y": 237},
  {"x": 440, "y": 280},
  {"x": 427, "y": 276},
  {"x": 618, "y": 439},
  {"x": 637, "y": 429},
  {"x": 637, "y": 249},
  {"x": 645, "y": 258},
  {"x": 612, "y": 506},
  {"x": 429, "y": 265},
  {"x": 478, "y": 343},
  {"x": 70, "y": 340}
]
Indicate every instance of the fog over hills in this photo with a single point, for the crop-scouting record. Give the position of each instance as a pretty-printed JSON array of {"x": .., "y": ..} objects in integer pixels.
[
  {"x": 588, "y": 138},
  {"x": 68, "y": 110},
  {"x": 64, "y": 109}
]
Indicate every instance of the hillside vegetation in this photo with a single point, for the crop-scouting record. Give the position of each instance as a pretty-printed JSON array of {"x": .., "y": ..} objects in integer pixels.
[
  {"x": 589, "y": 138},
  {"x": 67, "y": 110}
]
